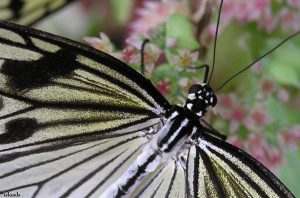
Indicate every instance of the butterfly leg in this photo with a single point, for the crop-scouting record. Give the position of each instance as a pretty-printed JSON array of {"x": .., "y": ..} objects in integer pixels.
[
  {"x": 209, "y": 129},
  {"x": 142, "y": 55}
]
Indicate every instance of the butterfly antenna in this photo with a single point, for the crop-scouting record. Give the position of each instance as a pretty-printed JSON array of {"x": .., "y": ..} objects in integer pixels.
[
  {"x": 215, "y": 42},
  {"x": 142, "y": 55},
  {"x": 206, "y": 70},
  {"x": 250, "y": 65}
]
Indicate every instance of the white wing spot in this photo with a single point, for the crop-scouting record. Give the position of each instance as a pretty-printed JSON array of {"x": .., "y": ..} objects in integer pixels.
[
  {"x": 43, "y": 45},
  {"x": 12, "y": 36}
]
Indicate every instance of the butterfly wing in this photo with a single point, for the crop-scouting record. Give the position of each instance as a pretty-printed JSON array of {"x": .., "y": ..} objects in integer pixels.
[
  {"x": 61, "y": 96},
  {"x": 28, "y": 12},
  {"x": 223, "y": 170},
  {"x": 168, "y": 180}
]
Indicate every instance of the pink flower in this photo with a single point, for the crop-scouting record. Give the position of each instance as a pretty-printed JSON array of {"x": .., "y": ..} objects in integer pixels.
[
  {"x": 185, "y": 59},
  {"x": 289, "y": 19},
  {"x": 132, "y": 53},
  {"x": 101, "y": 43},
  {"x": 294, "y": 3},
  {"x": 260, "y": 150},
  {"x": 275, "y": 157},
  {"x": 283, "y": 95},
  {"x": 171, "y": 42},
  {"x": 237, "y": 118},
  {"x": 163, "y": 86},
  {"x": 260, "y": 11},
  {"x": 135, "y": 41},
  {"x": 236, "y": 142},
  {"x": 290, "y": 137},
  {"x": 257, "y": 119},
  {"x": 267, "y": 86},
  {"x": 257, "y": 68},
  {"x": 225, "y": 105},
  {"x": 129, "y": 55},
  {"x": 246, "y": 11},
  {"x": 227, "y": 101},
  {"x": 154, "y": 13},
  {"x": 230, "y": 109}
]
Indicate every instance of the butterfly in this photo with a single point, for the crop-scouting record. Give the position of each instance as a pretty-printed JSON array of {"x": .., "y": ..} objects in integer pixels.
[{"x": 76, "y": 122}]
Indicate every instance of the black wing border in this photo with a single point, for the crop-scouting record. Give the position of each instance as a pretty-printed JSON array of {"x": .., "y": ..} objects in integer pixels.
[{"x": 96, "y": 55}]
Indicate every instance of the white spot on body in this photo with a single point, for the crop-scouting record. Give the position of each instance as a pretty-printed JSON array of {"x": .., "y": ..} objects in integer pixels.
[
  {"x": 191, "y": 96},
  {"x": 189, "y": 106},
  {"x": 199, "y": 113}
]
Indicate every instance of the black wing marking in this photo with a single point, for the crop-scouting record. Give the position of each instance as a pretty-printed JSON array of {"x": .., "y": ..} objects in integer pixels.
[
  {"x": 28, "y": 12},
  {"x": 53, "y": 88}
]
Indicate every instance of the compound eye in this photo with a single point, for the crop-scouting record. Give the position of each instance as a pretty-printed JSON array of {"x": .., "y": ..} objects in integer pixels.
[{"x": 195, "y": 88}]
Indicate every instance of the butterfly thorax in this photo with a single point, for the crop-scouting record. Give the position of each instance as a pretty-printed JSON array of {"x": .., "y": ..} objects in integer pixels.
[
  {"x": 179, "y": 125},
  {"x": 182, "y": 122},
  {"x": 200, "y": 99}
]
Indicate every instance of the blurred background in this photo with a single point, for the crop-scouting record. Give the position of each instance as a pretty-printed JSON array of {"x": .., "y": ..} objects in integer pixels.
[{"x": 259, "y": 110}]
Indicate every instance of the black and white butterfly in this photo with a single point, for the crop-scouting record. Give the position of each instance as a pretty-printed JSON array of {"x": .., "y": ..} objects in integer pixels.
[{"x": 76, "y": 122}]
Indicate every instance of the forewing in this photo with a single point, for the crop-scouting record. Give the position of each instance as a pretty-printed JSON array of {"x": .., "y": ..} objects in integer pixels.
[
  {"x": 28, "y": 12},
  {"x": 52, "y": 89},
  {"x": 65, "y": 108},
  {"x": 218, "y": 169}
]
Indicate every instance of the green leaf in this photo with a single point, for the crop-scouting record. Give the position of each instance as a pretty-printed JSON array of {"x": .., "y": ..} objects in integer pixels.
[
  {"x": 284, "y": 74},
  {"x": 164, "y": 71},
  {"x": 284, "y": 65},
  {"x": 290, "y": 172},
  {"x": 233, "y": 54},
  {"x": 121, "y": 10},
  {"x": 281, "y": 113},
  {"x": 276, "y": 110},
  {"x": 180, "y": 28}
]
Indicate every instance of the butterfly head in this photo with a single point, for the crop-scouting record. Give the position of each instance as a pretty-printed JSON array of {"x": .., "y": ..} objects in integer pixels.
[{"x": 200, "y": 99}]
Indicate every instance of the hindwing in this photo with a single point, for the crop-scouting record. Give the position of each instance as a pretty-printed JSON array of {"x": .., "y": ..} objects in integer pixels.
[{"x": 218, "y": 169}]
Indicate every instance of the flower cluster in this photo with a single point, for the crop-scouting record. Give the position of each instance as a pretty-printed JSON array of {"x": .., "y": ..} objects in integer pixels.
[
  {"x": 268, "y": 14},
  {"x": 155, "y": 13},
  {"x": 172, "y": 56}
]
